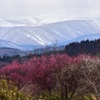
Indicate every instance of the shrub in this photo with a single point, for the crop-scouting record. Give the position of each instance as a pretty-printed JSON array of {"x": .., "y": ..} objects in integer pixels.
[
  {"x": 60, "y": 73},
  {"x": 8, "y": 91}
]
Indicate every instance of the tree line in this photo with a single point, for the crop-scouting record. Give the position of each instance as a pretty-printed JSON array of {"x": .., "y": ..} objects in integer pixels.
[{"x": 84, "y": 47}]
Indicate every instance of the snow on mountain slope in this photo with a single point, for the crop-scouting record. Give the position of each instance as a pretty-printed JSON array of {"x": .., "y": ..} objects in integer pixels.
[
  {"x": 28, "y": 36},
  {"x": 81, "y": 38},
  {"x": 4, "y": 23},
  {"x": 9, "y": 44},
  {"x": 29, "y": 21}
]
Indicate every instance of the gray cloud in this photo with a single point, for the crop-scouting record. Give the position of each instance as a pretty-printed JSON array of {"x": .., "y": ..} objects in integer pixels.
[{"x": 10, "y": 9}]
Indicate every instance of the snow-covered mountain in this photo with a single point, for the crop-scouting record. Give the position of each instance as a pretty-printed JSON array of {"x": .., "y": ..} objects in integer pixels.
[
  {"x": 59, "y": 26},
  {"x": 29, "y": 37},
  {"x": 4, "y": 23},
  {"x": 9, "y": 44}
]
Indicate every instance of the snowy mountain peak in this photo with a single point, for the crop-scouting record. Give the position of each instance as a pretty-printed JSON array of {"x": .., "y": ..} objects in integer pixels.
[
  {"x": 33, "y": 19},
  {"x": 51, "y": 17},
  {"x": 4, "y": 23}
]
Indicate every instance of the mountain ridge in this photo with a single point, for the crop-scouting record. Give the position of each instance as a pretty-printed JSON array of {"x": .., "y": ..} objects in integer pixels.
[{"x": 47, "y": 34}]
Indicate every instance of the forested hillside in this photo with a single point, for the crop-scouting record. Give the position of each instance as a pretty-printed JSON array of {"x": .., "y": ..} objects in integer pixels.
[{"x": 84, "y": 47}]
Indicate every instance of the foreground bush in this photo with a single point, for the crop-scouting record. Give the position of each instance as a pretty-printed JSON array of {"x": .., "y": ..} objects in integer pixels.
[
  {"x": 8, "y": 91},
  {"x": 66, "y": 76}
]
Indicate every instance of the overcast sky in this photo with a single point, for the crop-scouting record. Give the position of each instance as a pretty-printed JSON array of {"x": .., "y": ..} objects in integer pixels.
[{"x": 13, "y": 9}]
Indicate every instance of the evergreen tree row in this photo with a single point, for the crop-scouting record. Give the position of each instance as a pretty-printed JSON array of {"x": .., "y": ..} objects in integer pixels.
[{"x": 84, "y": 47}]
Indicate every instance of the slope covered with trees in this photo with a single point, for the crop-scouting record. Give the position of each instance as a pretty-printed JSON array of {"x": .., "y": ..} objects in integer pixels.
[{"x": 84, "y": 47}]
